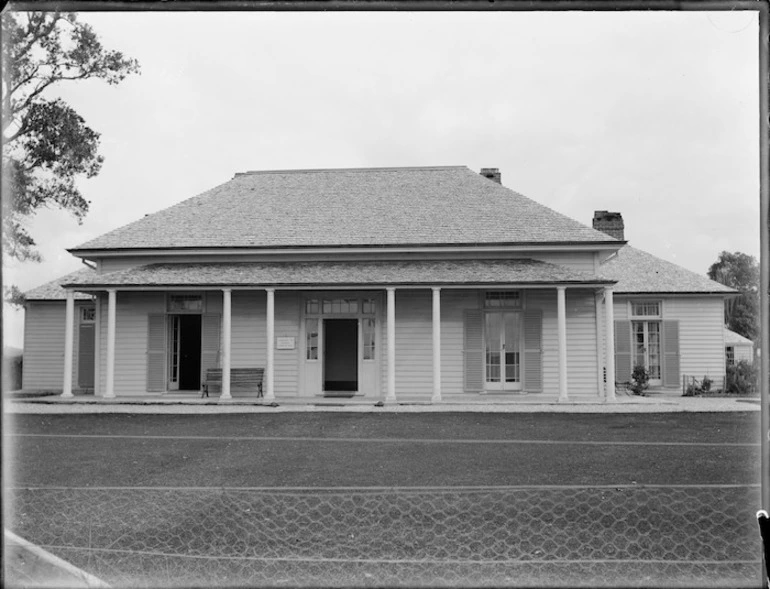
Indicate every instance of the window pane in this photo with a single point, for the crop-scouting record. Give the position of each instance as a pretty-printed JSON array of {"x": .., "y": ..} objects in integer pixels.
[
  {"x": 502, "y": 298},
  {"x": 185, "y": 303},
  {"x": 312, "y": 306},
  {"x": 646, "y": 309},
  {"x": 311, "y": 330},
  {"x": 88, "y": 314},
  {"x": 368, "y": 336},
  {"x": 368, "y": 306}
]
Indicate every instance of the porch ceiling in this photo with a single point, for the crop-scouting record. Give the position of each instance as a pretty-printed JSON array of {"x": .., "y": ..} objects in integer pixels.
[{"x": 260, "y": 274}]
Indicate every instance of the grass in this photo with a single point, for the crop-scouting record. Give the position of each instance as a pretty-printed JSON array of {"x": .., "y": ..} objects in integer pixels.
[{"x": 140, "y": 478}]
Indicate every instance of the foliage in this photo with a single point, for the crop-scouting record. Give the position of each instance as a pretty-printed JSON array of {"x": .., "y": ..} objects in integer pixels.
[
  {"x": 47, "y": 144},
  {"x": 639, "y": 380},
  {"x": 741, "y": 272},
  {"x": 14, "y": 296},
  {"x": 742, "y": 378}
]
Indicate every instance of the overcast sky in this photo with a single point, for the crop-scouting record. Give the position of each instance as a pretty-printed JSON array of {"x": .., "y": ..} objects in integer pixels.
[{"x": 653, "y": 114}]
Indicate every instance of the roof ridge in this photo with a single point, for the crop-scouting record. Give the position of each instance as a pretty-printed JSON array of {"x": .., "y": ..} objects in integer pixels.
[{"x": 384, "y": 169}]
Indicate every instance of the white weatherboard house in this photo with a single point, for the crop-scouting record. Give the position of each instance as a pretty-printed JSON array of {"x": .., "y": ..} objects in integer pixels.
[{"x": 394, "y": 284}]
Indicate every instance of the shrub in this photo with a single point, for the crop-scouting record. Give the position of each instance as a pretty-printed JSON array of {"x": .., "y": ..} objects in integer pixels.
[
  {"x": 639, "y": 380},
  {"x": 741, "y": 379}
]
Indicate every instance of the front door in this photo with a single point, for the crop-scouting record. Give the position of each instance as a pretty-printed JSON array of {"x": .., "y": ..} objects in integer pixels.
[
  {"x": 647, "y": 348},
  {"x": 185, "y": 352},
  {"x": 502, "y": 346},
  {"x": 340, "y": 367}
]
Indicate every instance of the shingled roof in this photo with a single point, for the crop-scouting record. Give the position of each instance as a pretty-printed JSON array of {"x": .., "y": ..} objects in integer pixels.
[
  {"x": 53, "y": 291},
  {"x": 638, "y": 272},
  {"x": 351, "y": 207},
  {"x": 413, "y": 272}
]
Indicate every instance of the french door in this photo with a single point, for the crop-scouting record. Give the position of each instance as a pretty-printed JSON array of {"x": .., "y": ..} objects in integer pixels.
[
  {"x": 502, "y": 339},
  {"x": 646, "y": 336}
]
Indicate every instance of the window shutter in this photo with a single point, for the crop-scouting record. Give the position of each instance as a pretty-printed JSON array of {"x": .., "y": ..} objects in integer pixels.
[
  {"x": 156, "y": 353},
  {"x": 210, "y": 341},
  {"x": 86, "y": 356},
  {"x": 670, "y": 353},
  {"x": 622, "y": 351},
  {"x": 472, "y": 351},
  {"x": 533, "y": 350}
]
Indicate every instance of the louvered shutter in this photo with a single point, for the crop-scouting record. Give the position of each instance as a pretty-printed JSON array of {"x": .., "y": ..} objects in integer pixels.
[
  {"x": 210, "y": 341},
  {"x": 670, "y": 353},
  {"x": 472, "y": 351},
  {"x": 622, "y": 351},
  {"x": 156, "y": 353},
  {"x": 86, "y": 356},
  {"x": 533, "y": 350}
]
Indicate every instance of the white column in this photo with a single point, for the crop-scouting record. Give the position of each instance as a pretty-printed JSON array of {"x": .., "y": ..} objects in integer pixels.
[
  {"x": 69, "y": 338},
  {"x": 109, "y": 389},
  {"x": 609, "y": 342},
  {"x": 436, "y": 344},
  {"x": 226, "y": 339},
  {"x": 561, "y": 311},
  {"x": 391, "y": 305},
  {"x": 269, "y": 370}
]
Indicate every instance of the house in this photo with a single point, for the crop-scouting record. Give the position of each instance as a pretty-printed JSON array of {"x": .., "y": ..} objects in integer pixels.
[
  {"x": 429, "y": 284},
  {"x": 737, "y": 348}
]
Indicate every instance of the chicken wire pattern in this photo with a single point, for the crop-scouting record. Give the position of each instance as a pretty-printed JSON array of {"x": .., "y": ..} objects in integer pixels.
[{"x": 587, "y": 536}]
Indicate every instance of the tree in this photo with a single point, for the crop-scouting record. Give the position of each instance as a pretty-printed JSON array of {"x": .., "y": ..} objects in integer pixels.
[
  {"x": 47, "y": 145},
  {"x": 741, "y": 272}
]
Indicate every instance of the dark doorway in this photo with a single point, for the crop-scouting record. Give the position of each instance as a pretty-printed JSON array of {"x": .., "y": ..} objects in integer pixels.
[
  {"x": 341, "y": 355},
  {"x": 189, "y": 352}
]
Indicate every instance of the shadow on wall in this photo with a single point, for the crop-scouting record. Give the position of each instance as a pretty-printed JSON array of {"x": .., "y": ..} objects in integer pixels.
[{"x": 12, "y": 363}]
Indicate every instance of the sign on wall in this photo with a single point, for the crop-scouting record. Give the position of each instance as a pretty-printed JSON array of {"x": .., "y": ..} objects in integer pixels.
[{"x": 285, "y": 343}]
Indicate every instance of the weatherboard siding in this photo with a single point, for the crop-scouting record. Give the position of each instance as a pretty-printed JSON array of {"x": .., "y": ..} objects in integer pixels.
[
  {"x": 43, "y": 366},
  {"x": 286, "y": 362},
  {"x": 701, "y": 334},
  {"x": 414, "y": 343},
  {"x": 582, "y": 261},
  {"x": 131, "y": 323},
  {"x": 581, "y": 340}
]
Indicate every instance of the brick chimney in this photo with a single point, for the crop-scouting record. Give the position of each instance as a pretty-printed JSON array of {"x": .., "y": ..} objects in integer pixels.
[
  {"x": 609, "y": 223},
  {"x": 492, "y": 173}
]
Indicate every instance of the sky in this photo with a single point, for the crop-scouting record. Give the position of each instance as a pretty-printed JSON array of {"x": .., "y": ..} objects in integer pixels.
[{"x": 651, "y": 114}]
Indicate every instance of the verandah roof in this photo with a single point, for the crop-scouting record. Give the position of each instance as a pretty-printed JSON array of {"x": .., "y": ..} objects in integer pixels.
[{"x": 319, "y": 274}]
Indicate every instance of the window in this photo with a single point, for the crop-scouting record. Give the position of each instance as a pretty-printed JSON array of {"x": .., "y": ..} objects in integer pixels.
[
  {"x": 368, "y": 306},
  {"x": 87, "y": 314},
  {"x": 311, "y": 335},
  {"x": 333, "y": 306},
  {"x": 185, "y": 303},
  {"x": 730, "y": 355},
  {"x": 503, "y": 298},
  {"x": 646, "y": 309},
  {"x": 312, "y": 306},
  {"x": 367, "y": 326}
]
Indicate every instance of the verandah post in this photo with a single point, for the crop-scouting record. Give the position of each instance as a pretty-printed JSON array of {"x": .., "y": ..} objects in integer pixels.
[
  {"x": 436, "y": 344},
  {"x": 109, "y": 389},
  {"x": 390, "y": 395},
  {"x": 269, "y": 370},
  {"x": 561, "y": 312},
  {"x": 69, "y": 336},
  {"x": 226, "y": 331},
  {"x": 609, "y": 342}
]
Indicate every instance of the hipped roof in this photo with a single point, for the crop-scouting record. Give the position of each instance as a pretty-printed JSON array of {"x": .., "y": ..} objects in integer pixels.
[
  {"x": 321, "y": 274},
  {"x": 638, "y": 272},
  {"x": 351, "y": 207}
]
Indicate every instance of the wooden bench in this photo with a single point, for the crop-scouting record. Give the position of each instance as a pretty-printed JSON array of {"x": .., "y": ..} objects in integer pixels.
[{"x": 241, "y": 380}]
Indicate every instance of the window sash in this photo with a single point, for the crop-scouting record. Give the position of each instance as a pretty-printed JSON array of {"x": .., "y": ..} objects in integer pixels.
[
  {"x": 185, "y": 303},
  {"x": 645, "y": 309},
  {"x": 502, "y": 298}
]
